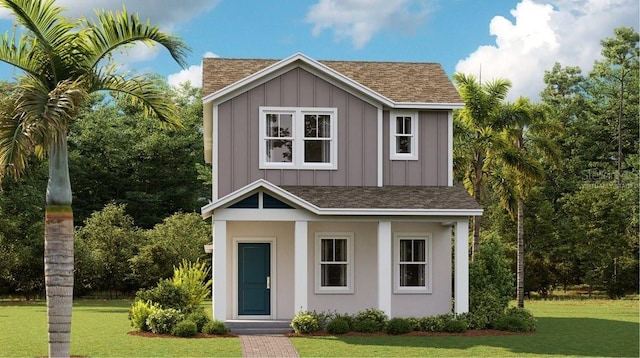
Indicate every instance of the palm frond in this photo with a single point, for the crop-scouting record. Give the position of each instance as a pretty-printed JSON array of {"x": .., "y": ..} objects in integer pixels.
[
  {"x": 119, "y": 29},
  {"x": 16, "y": 143}
]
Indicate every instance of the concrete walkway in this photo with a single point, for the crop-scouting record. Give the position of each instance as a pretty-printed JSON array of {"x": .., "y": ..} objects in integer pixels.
[{"x": 267, "y": 346}]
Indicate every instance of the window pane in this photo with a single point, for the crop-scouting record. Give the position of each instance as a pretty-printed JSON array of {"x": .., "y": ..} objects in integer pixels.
[
  {"x": 272, "y": 125},
  {"x": 405, "y": 251},
  {"x": 412, "y": 275},
  {"x": 403, "y": 144},
  {"x": 324, "y": 126},
  {"x": 341, "y": 250},
  {"x": 419, "y": 251},
  {"x": 327, "y": 250},
  {"x": 310, "y": 126},
  {"x": 279, "y": 151},
  {"x": 399, "y": 125},
  {"x": 407, "y": 125},
  {"x": 286, "y": 123},
  {"x": 279, "y": 125},
  {"x": 333, "y": 275},
  {"x": 317, "y": 151}
]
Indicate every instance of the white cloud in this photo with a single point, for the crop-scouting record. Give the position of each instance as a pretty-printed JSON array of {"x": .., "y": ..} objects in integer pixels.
[
  {"x": 192, "y": 74},
  {"x": 359, "y": 20},
  {"x": 542, "y": 33}
]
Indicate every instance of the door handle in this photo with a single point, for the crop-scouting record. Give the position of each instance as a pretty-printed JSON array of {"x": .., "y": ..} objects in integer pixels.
[{"x": 268, "y": 282}]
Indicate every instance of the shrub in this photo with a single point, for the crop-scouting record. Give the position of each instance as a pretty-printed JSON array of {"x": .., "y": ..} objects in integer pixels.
[
  {"x": 199, "y": 317},
  {"x": 338, "y": 325},
  {"x": 139, "y": 312},
  {"x": 215, "y": 327},
  {"x": 195, "y": 280},
  {"x": 304, "y": 323},
  {"x": 399, "y": 326},
  {"x": 516, "y": 320},
  {"x": 432, "y": 323},
  {"x": 370, "y": 320},
  {"x": 163, "y": 320},
  {"x": 185, "y": 328},
  {"x": 454, "y": 325},
  {"x": 167, "y": 295}
]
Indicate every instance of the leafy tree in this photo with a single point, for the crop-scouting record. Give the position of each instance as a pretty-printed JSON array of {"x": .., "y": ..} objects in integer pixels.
[
  {"x": 179, "y": 237},
  {"x": 62, "y": 61},
  {"x": 111, "y": 239},
  {"x": 477, "y": 128}
]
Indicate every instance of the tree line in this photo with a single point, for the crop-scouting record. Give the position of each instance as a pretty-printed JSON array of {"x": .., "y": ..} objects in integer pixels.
[{"x": 558, "y": 179}]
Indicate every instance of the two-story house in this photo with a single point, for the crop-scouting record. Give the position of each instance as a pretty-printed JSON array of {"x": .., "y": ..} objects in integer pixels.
[{"x": 333, "y": 188}]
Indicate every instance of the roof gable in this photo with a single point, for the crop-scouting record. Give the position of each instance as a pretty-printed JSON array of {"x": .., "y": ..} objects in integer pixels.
[{"x": 394, "y": 84}]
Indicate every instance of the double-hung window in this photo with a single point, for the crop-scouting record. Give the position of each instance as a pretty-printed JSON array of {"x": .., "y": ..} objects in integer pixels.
[
  {"x": 334, "y": 263},
  {"x": 412, "y": 263},
  {"x": 298, "y": 138},
  {"x": 403, "y": 141}
]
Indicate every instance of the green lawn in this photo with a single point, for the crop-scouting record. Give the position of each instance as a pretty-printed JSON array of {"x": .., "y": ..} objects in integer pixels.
[
  {"x": 565, "y": 328},
  {"x": 573, "y": 328},
  {"x": 99, "y": 329}
]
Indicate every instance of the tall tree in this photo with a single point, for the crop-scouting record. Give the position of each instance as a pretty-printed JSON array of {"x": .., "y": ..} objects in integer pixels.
[
  {"x": 518, "y": 168},
  {"x": 477, "y": 128},
  {"x": 619, "y": 71},
  {"x": 62, "y": 62}
]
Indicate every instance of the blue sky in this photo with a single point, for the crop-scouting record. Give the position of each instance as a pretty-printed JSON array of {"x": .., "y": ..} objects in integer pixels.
[{"x": 510, "y": 39}]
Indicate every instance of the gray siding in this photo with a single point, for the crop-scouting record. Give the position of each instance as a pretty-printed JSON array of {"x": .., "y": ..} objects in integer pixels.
[
  {"x": 238, "y": 139},
  {"x": 431, "y": 167}
]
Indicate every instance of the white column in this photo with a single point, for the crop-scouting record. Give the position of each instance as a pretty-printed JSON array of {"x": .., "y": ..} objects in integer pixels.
[
  {"x": 462, "y": 267},
  {"x": 219, "y": 293},
  {"x": 301, "y": 267},
  {"x": 384, "y": 267}
]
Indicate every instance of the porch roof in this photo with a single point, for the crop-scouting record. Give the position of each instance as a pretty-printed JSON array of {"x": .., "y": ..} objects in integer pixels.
[{"x": 358, "y": 200}]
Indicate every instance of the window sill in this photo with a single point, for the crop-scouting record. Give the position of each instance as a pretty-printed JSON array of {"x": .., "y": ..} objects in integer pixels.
[{"x": 333, "y": 291}]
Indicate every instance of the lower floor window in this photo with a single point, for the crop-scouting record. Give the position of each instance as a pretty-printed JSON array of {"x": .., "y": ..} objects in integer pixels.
[
  {"x": 334, "y": 262},
  {"x": 412, "y": 263}
]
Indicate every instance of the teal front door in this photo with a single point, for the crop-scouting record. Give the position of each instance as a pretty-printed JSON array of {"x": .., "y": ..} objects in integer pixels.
[{"x": 254, "y": 276}]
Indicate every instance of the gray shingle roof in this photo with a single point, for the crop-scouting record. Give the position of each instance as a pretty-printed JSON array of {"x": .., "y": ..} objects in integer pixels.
[
  {"x": 413, "y": 82},
  {"x": 386, "y": 197}
]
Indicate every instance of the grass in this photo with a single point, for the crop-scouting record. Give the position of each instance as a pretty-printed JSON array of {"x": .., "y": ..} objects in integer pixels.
[
  {"x": 565, "y": 328},
  {"x": 99, "y": 329}
]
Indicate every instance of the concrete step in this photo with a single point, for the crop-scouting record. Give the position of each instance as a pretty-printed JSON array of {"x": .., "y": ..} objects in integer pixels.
[{"x": 264, "y": 327}]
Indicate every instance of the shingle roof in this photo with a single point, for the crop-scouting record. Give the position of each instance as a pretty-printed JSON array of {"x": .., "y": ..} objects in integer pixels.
[
  {"x": 414, "y": 82},
  {"x": 386, "y": 197}
]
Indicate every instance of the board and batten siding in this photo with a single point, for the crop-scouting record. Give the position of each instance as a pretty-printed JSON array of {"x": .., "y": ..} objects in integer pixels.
[
  {"x": 238, "y": 137},
  {"x": 431, "y": 168}
]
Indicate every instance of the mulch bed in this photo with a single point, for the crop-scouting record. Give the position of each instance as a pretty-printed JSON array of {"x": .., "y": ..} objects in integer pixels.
[{"x": 158, "y": 335}]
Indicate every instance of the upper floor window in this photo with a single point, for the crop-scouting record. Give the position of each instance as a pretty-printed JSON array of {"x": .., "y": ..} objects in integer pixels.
[
  {"x": 412, "y": 261},
  {"x": 403, "y": 141},
  {"x": 334, "y": 263},
  {"x": 298, "y": 138}
]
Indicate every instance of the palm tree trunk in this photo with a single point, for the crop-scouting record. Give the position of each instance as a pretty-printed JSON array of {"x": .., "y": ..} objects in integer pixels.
[
  {"x": 520, "y": 263},
  {"x": 58, "y": 251}
]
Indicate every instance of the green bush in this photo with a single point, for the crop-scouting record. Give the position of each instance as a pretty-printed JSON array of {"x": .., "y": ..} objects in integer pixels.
[
  {"x": 139, "y": 312},
  {"x": 167, "y": 295},
  {"x": 215, "y": 327},
  {"x": 399, "y": 325},
  {"x": 516, "y": 320},
  {"x": 338, "y": 325},
  {"x": 185, "y": 328},
  {"x": 432, "y": 323},
  {"x": 163, "y": 320},
  {"x": 305, "y": 323},
  {"x": 195, "y": 280},
  {"x": 199, "y": 317},
  {"x": 454, "y": 325},
  {"x": 370, "y": 320}
]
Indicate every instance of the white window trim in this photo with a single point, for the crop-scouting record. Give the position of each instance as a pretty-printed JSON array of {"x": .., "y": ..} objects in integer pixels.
[
  {"x": 350, "y": 263},
  {"x": 393, "y": 155},
  {"x": 297, "y": 160},
  {"x": 396, "y": 262}
]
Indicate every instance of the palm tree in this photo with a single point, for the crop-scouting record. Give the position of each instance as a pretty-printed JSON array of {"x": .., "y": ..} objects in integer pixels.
[
  {"x": 62, "y": 61},
  {"x": 477, "y": 128},
  {"x": 517, "y": 168}
]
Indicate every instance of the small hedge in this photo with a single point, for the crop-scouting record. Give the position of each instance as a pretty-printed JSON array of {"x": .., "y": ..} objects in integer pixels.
[
  {"x": 399, "y": 326},
  {"x": 516, "y": 320},
  {"x": 215, "y": 327},
  {"x": 185, "y": 328},
  {"x": 338, "y": 325},
  {"x": 163, "y": 320},
  {"x": 305, "y": 323}
]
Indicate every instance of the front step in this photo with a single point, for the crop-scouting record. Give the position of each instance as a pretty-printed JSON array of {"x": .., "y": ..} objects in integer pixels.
[{"x": 246, "y": 326}]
